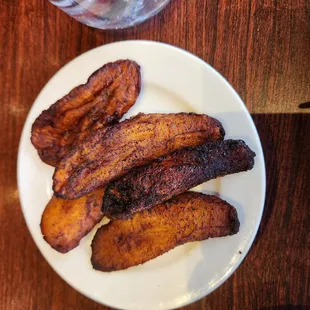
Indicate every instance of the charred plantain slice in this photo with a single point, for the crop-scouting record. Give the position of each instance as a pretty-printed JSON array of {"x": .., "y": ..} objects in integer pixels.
[
  {"x": 108, "y": 94},
  {"x": 150, "y": 233},
  {"x": 65, "y": 222},
  {"x": 111, "y": 152},
  {"x": 173, "y": 174}
]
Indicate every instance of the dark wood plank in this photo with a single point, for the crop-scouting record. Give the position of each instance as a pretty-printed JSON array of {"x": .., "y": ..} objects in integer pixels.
[{"x": 261, "y": 47}]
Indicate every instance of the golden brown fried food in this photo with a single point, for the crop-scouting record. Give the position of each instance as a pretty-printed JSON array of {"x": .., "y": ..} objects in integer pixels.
[
  {"x": 104, "y": 99},
  {"x": 150, "y": 233},
  {"x": 65, "y": 222},
  {"x": 111, "y": 152},
  {"x": 173, "y": 174}
]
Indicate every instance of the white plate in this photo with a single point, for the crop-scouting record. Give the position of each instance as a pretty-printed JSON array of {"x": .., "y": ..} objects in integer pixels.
[{"x": 173, "y": 81}]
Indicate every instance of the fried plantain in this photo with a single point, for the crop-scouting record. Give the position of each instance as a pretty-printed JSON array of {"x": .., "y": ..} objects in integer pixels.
[
  {"x": 173, "y": 174},
  {"x": 104, "y": 99},
  {"x": 111, "y": 152},
  {"x": 150, "y": 233},
  {"x": 65, "y": 222}
]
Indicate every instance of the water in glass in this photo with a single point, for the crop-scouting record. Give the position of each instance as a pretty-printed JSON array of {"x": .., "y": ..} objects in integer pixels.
[{"x": 110, "y": 14}]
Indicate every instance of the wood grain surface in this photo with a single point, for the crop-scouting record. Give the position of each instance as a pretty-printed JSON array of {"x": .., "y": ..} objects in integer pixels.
[{"x": 262, "y": 47}]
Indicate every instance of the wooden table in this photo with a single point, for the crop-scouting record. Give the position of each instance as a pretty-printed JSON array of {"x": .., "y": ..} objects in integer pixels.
[{"x": 262, "y": 47}]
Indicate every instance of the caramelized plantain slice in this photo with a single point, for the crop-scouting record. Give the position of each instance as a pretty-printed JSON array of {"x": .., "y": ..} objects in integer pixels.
[
  {"x": 150, "y": 233},
  {"x": 108, "y": 94},
  {"x": 65, "y": 222},
  {"x": 173, "y": 174},
  {"x": 111, "y": 152}
]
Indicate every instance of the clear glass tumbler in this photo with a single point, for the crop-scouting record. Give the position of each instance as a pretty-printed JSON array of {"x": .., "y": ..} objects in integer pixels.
[{"x": 111, "y": 14}]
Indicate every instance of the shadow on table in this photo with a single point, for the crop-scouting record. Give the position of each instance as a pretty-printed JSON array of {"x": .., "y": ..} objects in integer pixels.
[{"x": 285, "y": 140}]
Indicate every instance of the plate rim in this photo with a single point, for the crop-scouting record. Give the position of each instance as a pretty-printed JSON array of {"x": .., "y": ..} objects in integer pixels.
[{"x": 245, "y": 110}]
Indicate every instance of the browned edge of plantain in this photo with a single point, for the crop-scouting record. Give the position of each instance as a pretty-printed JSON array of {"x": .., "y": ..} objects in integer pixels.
[
  {"x": 106, "y": 96},
  {"x": 65, "y": 222},
  {"x": 109, "y": 153},
  {"x": 173, "y": 174},
  {"x": 185, "y": 218}
]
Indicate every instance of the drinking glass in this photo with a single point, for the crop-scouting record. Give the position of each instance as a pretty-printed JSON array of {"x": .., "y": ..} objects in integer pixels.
[{"x": 111, "y": 14}]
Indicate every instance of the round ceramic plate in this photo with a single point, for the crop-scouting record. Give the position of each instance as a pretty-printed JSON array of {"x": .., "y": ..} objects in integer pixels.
[{"x": 173, "y": 81}]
